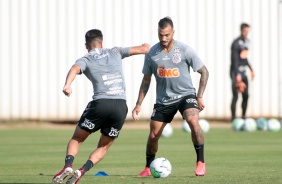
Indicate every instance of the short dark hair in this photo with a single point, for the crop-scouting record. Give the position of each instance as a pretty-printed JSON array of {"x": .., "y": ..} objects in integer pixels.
[
  {"x": 164, "y": 22},
  {"x": 243, "y": 26},
  {"x": 93, "y": 35}
]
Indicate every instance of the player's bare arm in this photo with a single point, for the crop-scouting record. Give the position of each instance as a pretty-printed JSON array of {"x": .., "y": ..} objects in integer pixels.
[
  {"x": 142, "y": 93},
  {"x": 75, "y": 69},
  {"x": 142, "y": 49},
  {"x": 202, "y": 86}
]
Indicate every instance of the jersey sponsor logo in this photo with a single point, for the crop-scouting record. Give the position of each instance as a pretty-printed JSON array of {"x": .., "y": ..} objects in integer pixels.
[
  {"x": 176, "y": 58},
  {"x": 168, "y": 72},
  {"x": 96, "y": 57},
  {"x": 114, "y": 132},
  {"x": 88, "y": 124},
  {"x": 157, "y": 52},
  {"x": 166, "y": 58},
  {"x": 167, "y": 99}
]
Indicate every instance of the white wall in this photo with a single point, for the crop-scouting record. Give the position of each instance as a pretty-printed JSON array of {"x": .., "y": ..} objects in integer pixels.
[{"x": 41, "y": 39}]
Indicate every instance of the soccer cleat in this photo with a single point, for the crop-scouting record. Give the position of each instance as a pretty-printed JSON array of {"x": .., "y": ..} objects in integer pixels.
[
  {"x": 76, "y": 176},
  {"x": 60, "y": 176},
  {"x": 145, "y": 173},
  {"x": 200, "y": 169}
]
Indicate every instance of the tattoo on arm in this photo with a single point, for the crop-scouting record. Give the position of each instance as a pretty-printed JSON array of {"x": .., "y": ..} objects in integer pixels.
[
  {"x": 143, "y": 89},
  {"x": 203, "y": 80}
]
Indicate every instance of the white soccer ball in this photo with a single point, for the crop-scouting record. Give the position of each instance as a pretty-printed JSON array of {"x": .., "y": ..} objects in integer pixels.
[
  {"x": 273, "y": 125},
  {"x": 204, "y": 124},
  {"x": 238, "y": 124},
  {"x": 167, "y": 131},
  {"x": 185, "y": 127},
  {"x": 160, "y": 168},
  {"x": 250, "y": 125},
  {"x": 262, "y": 124}
]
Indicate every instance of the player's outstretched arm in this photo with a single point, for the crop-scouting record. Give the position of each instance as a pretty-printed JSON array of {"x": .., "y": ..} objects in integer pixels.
[
  {"x": 142, "y": 49},
  {"x": 142, "y": 93},
  {"x": 202, "y": 86},
  {"x": 75, "y": 69}
]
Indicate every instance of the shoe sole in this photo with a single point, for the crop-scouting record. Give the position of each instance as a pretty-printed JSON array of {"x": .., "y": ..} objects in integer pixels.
[
  {"x": 200, "y": 174},
  {"x": 76, "y": 177},
  {"x": 60, "y": 178}
]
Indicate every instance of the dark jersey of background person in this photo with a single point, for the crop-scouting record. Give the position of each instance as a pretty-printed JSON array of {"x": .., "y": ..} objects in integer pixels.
[{"x": 239, "y": 61}]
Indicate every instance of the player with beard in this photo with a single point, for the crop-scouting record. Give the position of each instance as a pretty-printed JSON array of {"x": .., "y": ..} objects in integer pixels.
[{"x": 170, "y": 61}]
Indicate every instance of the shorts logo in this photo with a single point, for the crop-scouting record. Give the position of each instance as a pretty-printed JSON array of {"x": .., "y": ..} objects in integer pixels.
[
  {"x": 114, "y": 132},
  {"x": 192, "y": 100},
  {"x": 88, "y": 124},
  {"x": 154, "y": 111}
]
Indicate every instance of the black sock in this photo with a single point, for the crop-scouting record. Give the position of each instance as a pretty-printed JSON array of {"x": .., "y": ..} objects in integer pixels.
[
  {"x": 69, "y": 160},
  {"x": 149, "y": 159},
  {"x": 87, "y": 166},
  {"x": 199, "y": 148}
]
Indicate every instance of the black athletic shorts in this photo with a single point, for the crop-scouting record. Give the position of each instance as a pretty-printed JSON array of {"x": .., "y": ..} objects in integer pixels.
[
  {"x": 106, "y": 115},
  {"x": 165, "y": 113}
]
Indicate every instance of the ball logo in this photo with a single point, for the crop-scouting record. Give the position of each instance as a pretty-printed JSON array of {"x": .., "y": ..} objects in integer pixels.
[
  {"x": 88, "y": 124},
  {"x": 168, "y": 72}
]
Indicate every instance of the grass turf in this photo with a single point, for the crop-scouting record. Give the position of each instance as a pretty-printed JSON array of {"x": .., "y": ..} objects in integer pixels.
[{"x": 35, "y": 155}]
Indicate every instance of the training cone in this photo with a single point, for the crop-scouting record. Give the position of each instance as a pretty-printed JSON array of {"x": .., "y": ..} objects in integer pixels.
[{"x": 101, "y": 173}]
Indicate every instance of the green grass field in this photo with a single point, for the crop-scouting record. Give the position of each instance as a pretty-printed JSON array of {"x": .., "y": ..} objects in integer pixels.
[{"x": 35, "y": 155}]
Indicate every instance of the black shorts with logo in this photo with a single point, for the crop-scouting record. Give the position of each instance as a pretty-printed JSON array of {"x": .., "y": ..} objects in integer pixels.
[
  {"x": 106, "y": 115},
  {"x": 165, "y": 113}
]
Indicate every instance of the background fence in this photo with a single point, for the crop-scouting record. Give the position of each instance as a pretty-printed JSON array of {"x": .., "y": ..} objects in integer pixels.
[{"x": 41, "y": 39}]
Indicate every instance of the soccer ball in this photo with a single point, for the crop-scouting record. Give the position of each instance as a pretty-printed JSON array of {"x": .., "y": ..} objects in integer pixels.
[
  {"x": 273, "y": 125},
  {"x": 160, "y": 168},
  {"x": 185, "y": 127},
  {"x": 262, "y": 124},
  {"x": 204, "y": 124},
  {"x": 250, "y": 125},
  {"x": 238, "y": 124},
  {"x": 167, "y": 131}
]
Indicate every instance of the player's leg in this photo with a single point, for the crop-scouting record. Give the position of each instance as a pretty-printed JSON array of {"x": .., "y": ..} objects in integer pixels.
[
  {"x": 160, "y": 115},
  {"x": 190, "y": 112},
  {"x": 156, "y": 128},
  {"x": 197, "y": 135},
  {"x": 109, "y": 119},
  {"x": 96, "y": 156},
  {"x": 245, "y": 97},
  {"x": 78, "y": 137},
  {"x": 234, "y": 99}
]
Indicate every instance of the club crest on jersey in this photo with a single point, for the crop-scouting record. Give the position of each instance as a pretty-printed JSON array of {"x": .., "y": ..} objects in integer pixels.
[{"x": 176, "y": 58}]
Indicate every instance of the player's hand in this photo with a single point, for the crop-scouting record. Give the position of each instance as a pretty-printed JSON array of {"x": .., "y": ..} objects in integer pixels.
[
  {"x": 201, "y": 104},
  {"x": 136, "y": 111},
  {"x": 240, "y": 86},
  {"x": 252, "y": 75},
  {"x": 67, "y": 90}
]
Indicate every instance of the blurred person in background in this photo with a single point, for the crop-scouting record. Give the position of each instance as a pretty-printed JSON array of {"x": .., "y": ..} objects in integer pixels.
[
  {"x": 108, "y": 109},
  {"x": 239, "y": 63},
  {"x": 170, "y": 61}
]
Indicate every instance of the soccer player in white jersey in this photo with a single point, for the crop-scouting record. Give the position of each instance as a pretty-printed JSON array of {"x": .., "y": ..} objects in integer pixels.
[
  {"x": 170, "y": 61},
  {"x": 107, "y": 111}
]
